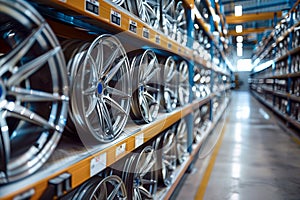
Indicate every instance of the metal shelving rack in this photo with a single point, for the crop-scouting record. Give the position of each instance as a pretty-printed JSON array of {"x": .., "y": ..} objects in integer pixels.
[
  {"x": 71, "y": 164},
  {"x": 276, "y": 63}
]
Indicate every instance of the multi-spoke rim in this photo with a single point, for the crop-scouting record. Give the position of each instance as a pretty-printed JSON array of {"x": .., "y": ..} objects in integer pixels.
[
  {"x": 140, "y": 174},
  {"x": 183, "y": 90},
  {"x": 167, "y": 157},
  {"x": 170, "y": 87},
  {"x": 181, "y": 141},
  {"x": 149, "y": 11},
  {"x": 197, "y": 126},
  {"x": 146, "y": 95},
  {"x": 108, "y": 188},
  {"x": 180, "y": 24},
  {"x": 101, "y": 89},
  {"x": 33, "y": 91},
  {"x": 168, "y": 17}
]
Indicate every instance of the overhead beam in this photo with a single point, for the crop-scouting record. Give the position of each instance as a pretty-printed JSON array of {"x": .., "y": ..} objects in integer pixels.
[
  {"x": 249, "y": 31},
  {"x": 231, "y": 19}
]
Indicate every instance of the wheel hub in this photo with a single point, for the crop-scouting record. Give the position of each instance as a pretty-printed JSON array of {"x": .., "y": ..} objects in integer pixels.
[{"x": 100, "y": 88}]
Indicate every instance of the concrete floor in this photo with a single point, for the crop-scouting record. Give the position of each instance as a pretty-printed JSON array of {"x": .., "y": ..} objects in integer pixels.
[{"x": 257, "y": 159}]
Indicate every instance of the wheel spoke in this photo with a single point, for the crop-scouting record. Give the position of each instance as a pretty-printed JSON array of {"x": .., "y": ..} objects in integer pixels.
[
  {"x": 148, "y": 182},
  {"x": 99, "y": 112},
  {"x": 106, "y": 115},
  {"x": 31, "y": 67},
  {"x": 110, "y": 60},
  {"x": 23, "y": 113},
  {"x": 12, "y": 58},
  {"x": 145, "y": 192},
  {"x": 150, "y": 76},
  {"x": 149, "y": 67},
  {"x": 144, "y": 105},
  {"x": 114, "y": 192},
  {"x": 117, "y": 92},
  {"x": 27, "y": 95},
  {"x": 115, "y": 105},
  {"x": 151, "y": 99},
  {"x": 90, "y": 91},
  {"x": 4, "y": 141},
  {"x": 92, "y": 105},
  {"x": 151, "y": 89},
  {"x": 114, "y": 70}
]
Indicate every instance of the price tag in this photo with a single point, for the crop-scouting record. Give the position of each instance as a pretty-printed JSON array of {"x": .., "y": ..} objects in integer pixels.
[
  {"x": 169, "y": 45},
  {"x": 97, "y": 164},
  {"x": 120, "y": 149},
  {"x": 157, "y": 39},
  {"x": 64, "y": 1},
  {"x": 92, "y": 6},
  {"x": 139, "y": 140},
  {"x": 132, "y": 26},
  {"x": 145, "y": 33},
  {"x": 179, "y": 50},
  {"x": 115, "y": 17}
]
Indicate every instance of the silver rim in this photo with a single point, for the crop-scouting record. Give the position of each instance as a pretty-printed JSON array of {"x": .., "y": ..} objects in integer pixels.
[
  {"x": 146, "y": 97},
  {"x": 168, "y": 162},
  {"x": 140, "y": 175},
  {"x": 181, "y": 141},
  {"x": 101, "y": 89},
  {"x": 197, "y": 126},
  {"x": 168, "y": 17},
  {"x": 34, "y": 91},
  {"x": 183, "y": 89},
  {"x": 170, "y": 88},
  {"x": 181, "y": 24},
  {"x": 109, "y": 188},
  {"x": 149, "y": 11}
]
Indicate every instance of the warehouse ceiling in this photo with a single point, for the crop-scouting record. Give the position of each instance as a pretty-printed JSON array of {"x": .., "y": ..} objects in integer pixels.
[{"x": 258, "y": 19}]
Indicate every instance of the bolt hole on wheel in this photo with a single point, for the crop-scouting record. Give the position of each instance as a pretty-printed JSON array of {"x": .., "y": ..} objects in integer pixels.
[{"x": 34, "y": 91}]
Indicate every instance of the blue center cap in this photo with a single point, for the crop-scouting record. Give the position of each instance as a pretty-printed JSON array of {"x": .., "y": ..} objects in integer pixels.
[
  {"x": 142, "y": 88},
  {"x": 100, "y": 88}
]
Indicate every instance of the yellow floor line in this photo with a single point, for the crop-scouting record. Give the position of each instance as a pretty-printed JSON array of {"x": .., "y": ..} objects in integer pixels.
[{"x": 202, "y": 188}]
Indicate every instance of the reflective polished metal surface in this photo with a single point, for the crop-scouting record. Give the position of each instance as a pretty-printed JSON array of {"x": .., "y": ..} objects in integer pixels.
[{"x": 257, "y": 160}]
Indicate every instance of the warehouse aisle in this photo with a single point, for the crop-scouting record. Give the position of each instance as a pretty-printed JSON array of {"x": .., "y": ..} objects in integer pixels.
[{"x": 256, "y": 160}]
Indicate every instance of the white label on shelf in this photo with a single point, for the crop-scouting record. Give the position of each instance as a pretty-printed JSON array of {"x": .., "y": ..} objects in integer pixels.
[
  {"x": 145, "y": 33},
  {"x": 157, "y": 39},
  {"x": 92, "y": 6},
  {"x": 132, "y": 26},
  {"x": 179, "y": 49},
  {"x": 64, "y": 1},
  {"x": 115, "y": 17},
  {"x": 120, "y": 149},
  {"x": 169, "y": 45},
  {"x": 98, "y": 163},
  {"x": 139, "y": 140}
]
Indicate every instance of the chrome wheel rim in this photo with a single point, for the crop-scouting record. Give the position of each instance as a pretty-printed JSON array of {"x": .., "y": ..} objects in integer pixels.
[
  {"x": 168, "y": 157},
  {"x": 108, "y": 188},
  {"x": 149, "y": 11},
  {"x": 34, "y": 91},
  {"x": 197, "y": 128},
  {"x": 145, "y": 177},
  {"x": 168, "y": 17},
  {"x": 101, "y": 90},
  {"x": 146, "y": 97},
  {"x": 170, "y": 89},
  {"x": 181, "y": 141},
  {"x": 183, "y": 89},
  {"x": 181, "y": 24}
]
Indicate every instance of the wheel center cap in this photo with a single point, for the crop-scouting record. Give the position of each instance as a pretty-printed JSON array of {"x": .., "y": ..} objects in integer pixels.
[
  {"x": 142, "y": 88},
  {"x": 100, "y": 88}
]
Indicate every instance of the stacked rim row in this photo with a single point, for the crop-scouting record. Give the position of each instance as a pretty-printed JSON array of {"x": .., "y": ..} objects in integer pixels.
[
  {"x": 91, "y": 92},
  {"x": 169, "y": 16},
  {"x": 142, "y": 173}
]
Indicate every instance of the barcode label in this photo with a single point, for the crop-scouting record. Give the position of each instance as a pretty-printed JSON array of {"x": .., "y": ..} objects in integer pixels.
[
  {"x": 132, "y": 26},
  {"x": 115, "y": 17},
  {"x": 146, "y": 33},
  {"x": 157, "y": 39},
  {"x": 92, "y": 6}
]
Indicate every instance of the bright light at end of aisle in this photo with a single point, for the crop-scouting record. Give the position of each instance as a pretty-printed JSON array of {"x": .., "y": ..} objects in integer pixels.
[
  {"x": 238, "y": 10},
  {"x": 244, "y": 65}
]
